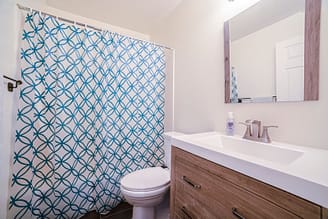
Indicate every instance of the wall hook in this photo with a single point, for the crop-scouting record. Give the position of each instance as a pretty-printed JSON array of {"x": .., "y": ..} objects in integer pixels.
[{"x": 10, "y": 85}]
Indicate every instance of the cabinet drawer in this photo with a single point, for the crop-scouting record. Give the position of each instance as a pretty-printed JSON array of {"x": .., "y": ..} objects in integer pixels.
[
  {"x": 188, "y": 207},
  {"x": 219, "y": 197},
  {"x": 223, "y": 188}
]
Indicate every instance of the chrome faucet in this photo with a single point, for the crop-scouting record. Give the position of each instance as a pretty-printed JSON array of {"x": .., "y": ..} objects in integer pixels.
[
  {"x": 255, "y": 128},
  {"x": 253, "y": 131}
]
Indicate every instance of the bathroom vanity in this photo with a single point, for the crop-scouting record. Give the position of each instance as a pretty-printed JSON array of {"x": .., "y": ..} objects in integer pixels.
[{"x": 218, "y": 183}]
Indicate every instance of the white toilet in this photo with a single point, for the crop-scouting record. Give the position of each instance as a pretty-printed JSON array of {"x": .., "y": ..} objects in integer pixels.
[{"x": 146, "y": 188}]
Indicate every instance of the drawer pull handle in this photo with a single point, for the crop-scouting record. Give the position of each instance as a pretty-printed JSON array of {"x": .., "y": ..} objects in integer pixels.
[
  {"x": 237, "y": 214},
  {"x": 185, "y": 212},
  {"x": 196, "y": 186}
]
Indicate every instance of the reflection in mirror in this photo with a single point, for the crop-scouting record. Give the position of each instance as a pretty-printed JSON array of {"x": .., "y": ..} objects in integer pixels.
[{"x": 266, "y": 54}]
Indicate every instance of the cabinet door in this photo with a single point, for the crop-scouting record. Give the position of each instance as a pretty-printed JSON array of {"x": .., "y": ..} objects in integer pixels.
[
  {"x": 189, "y": 207},
  {"x": 199, "y": 189},
  {"x": 196, "y": 166},
  {"x": 324, "y": 213}
]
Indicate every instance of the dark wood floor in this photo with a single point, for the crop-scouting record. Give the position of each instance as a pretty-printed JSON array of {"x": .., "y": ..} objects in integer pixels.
[{"x": 122, "y": 211}]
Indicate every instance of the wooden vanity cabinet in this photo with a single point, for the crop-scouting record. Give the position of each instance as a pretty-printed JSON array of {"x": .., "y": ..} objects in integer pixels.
[{"x": 203, "y": 189}]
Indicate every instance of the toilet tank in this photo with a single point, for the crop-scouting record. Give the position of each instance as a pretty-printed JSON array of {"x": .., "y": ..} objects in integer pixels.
[{"x": 167, "y": 146}]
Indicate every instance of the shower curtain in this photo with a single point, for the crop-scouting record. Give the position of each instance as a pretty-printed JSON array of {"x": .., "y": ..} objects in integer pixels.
[
  {"x": 90, "y": 111},
  {"x": 233, "y": 86}
]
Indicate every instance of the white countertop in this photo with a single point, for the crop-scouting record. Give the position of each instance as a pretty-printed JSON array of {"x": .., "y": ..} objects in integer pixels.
[{"x": 306, "y": 177}]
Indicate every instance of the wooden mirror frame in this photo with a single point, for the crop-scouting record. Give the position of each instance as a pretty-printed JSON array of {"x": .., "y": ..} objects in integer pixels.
[{"x": 311, "y": 52}]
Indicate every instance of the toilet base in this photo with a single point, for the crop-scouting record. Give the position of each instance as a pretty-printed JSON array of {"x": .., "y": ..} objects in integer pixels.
[{"x": 143, "y": 212}]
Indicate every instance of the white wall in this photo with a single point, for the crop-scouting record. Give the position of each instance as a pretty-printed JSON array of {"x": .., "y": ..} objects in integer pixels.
[
  {"x": 169, "y": 91},
  {"x": 8, "y": 48},
  {"x": 253, "y": 56},
  {"x": 9, "y": 22},
  {"x": 195, "y": 30}
]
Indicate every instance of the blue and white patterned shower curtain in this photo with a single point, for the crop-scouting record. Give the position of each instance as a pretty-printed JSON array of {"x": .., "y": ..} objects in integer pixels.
[
  {"x": 90, "y": 111},
  {"x": 233, "y": 86}
]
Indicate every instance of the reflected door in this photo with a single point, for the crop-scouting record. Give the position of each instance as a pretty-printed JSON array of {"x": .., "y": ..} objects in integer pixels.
[{"x": 290, "y": 70}]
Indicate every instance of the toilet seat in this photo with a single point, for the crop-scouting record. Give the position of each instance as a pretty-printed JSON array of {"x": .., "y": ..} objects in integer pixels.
[
  {"x": 146, "y": 180},
  {"x": 144, "y": 195}
]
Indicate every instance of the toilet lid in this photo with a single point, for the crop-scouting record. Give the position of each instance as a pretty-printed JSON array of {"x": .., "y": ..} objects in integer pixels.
[{"x": 146, "y": 179}]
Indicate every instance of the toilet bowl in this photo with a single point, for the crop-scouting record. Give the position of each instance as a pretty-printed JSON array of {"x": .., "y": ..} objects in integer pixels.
[{"x": 145, "y": 189}]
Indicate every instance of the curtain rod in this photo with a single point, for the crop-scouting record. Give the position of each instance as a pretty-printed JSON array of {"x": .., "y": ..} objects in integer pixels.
[{"x": 24, "y": 8}]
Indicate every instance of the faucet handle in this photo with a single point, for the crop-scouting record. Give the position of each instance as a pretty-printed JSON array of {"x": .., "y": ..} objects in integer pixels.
[
  {"x": 265, "y": 134},
  {"x": 245, "y": 123},
  {"x": 270, "y": 126},
  {"x": 248, "y": 129}
]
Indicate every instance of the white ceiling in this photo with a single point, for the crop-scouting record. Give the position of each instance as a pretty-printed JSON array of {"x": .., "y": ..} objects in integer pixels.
[
  {"x": 262, "y": 14},
  {"x": 137, "y": 15}
]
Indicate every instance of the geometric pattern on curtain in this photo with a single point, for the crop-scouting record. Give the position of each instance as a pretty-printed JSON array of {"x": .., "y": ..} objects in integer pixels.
[
  {"x": 233, "y": 86},
  {"x": 90, "y": 111}
]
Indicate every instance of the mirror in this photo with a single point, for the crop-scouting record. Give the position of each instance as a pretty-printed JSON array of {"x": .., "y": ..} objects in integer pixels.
[{"x": 272, "y": 52}]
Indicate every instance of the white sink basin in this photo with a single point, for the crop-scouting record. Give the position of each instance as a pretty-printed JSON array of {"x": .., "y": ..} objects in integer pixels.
[{"x": 273, "y": 152}]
